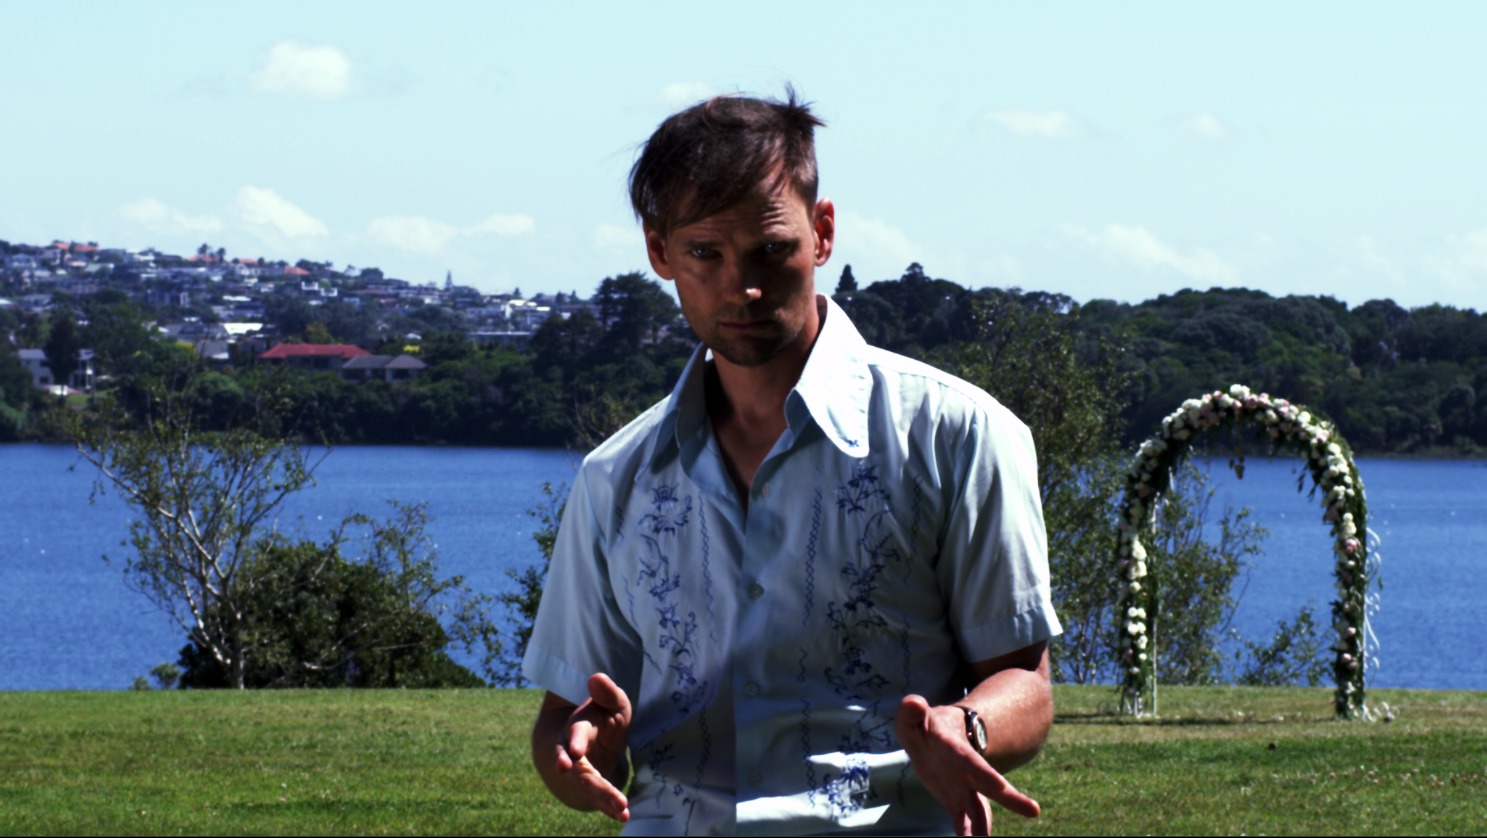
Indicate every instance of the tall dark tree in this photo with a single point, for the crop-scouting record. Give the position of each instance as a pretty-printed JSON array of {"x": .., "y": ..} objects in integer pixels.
[
  {"x": 115, "y": 332},
  {"x": 847, "y": 283},
  {"x": 561, "y": 342},
  {"x": 15, "y": 392},
  {"x": 633, "y": 309},
  {"x": 64, "y": 348}
]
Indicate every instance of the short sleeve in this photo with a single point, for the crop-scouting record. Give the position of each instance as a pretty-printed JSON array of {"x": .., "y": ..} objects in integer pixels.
[
  {"x": 580, "y": 629},
  {"x": 994, "y": 553}
]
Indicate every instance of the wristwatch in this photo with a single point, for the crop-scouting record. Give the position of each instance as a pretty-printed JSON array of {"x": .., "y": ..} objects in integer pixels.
[{"x": 975, "y": 729}]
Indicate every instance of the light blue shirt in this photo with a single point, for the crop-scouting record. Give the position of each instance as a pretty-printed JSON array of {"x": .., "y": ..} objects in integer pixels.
[{"x": 894, "y": 531}]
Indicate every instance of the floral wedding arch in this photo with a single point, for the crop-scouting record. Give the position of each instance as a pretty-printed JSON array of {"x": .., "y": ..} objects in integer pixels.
[{"x": 1293, "y": 429}]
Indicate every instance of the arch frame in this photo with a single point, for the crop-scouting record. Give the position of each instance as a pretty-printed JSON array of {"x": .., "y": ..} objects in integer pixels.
[{"x": 1293, "y": 429}]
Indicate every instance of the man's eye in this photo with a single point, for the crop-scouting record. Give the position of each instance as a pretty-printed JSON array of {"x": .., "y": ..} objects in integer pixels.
[
  {"x": 777, "y": 248},
  {"x": 703, "y": 253}
]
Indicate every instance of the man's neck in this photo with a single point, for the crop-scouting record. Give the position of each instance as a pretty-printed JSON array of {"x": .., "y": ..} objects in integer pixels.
[
  {"x": 756, "y": 395},
  {"x": 752, "y": 395},
  {"x": 746, "y": 406}
]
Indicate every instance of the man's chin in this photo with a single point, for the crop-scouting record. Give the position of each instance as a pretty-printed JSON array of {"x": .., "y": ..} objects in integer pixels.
[{"x": 747, "y": 352}]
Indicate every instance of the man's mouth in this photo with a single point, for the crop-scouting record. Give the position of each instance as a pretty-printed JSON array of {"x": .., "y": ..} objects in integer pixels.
[{"x": 744, "y": 325}]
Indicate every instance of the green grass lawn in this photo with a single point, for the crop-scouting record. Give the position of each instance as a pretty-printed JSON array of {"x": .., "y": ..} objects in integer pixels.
[{"x": 1219, "y": 760}]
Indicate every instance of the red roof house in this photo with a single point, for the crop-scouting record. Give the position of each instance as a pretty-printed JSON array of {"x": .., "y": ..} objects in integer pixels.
[{"x": 312, "y": 356}]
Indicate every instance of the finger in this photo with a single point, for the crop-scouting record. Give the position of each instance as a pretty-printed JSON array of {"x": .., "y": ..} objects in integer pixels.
[
  {"x": 562, "y": 758},
  {"x": 602, "y": 793},
  {"x": 990, "y": 782},
  {"x": 978, "y": 813},
  {"x": 1013, "y": 800},
  {"x": 581, "y": 734},
  {"x": 914, "y": 714},
  {"x": 606, "y": 694}
]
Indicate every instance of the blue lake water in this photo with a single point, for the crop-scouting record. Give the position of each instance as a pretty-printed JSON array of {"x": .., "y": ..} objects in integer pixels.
[{"x": 67, "y": 620}]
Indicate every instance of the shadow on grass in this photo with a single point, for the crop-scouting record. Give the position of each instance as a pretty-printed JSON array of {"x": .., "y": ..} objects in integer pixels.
[{"x": 1114, "y": 719}]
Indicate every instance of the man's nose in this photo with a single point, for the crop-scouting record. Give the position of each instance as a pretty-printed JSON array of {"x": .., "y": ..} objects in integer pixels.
[{"x": 743, "y": 286}]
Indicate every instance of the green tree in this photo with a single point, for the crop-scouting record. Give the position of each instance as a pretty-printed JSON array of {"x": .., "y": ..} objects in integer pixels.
[
  {"x": 633, "y": 309},
  {"x": 166, "y": 675},
  {"x": 1293, "y": 655},
  {"x": 116, "y": 333},
  {"x": 847, "y": 283},
  {"x": 562, "y": 342},
  {"x": 291, "y": 313},
  {"x": 63, "y": 348},
  {"x": 257, "y": 607},
  {"x": 522, "y": 603},
  {"x": 205, "y": 504},
  {"x": 15, "y": 394},
  {"x": 316, "y": 618},
  {"x": 1193, "y": 579},
  {"x": 316, "y": 332},
  {"x": 1028, "y": 357}
]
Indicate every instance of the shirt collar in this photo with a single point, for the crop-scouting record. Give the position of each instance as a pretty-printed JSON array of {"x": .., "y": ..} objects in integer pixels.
[
  {"x": 833, "y": 391},
  {"x": 835, "y": 387}
]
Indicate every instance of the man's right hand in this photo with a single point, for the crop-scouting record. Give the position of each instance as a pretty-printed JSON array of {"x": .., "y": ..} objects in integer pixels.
[{"x": 579, "y": 750}]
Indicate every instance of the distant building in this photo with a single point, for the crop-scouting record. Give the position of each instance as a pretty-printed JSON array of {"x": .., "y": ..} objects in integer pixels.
[
  {"x": 314, "y": 357},
  {"x": 508, "y": 338},
  {"x": 34, "y": 360},
  {"x": 382, "y": 368}
]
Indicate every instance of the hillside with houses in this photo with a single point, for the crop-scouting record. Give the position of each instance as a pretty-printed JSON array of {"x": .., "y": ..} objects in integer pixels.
[
  {"x": 236, "y": 307},
  {"x": 121, "y": 318},
  {"x": 359, "y": 357}
]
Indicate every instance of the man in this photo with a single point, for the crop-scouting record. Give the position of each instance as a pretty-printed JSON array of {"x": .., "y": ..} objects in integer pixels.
[{"x": 808, "y": 591}]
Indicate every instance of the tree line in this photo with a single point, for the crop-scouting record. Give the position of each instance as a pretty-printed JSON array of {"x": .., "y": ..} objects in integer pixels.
[{"x": 1396, "y": 381}]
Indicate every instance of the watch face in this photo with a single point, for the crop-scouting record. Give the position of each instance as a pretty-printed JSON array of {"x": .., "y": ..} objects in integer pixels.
[{"x": 975, "y": 729}]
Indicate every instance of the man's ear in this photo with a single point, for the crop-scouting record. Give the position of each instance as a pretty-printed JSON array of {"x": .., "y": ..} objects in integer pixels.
[
  {"x": 655, "y": 249},
  {"x": 825, "y": 228}
]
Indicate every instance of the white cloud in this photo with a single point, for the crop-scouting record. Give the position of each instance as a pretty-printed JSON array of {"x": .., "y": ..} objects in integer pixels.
[
  {"x": 877, "y": 249},
  {"x": 1366, "y": 251},
  {"x": 1003, "y": 268},
  {"x": 159, "y": 218},
  {"x": 683, "y": 93},
  {"x": 1140, "y": 247},
  {"x": 411, "y": 232},
  {"x": 1461, "y": 267},
  {"x": 616, "y": 237},
  {"x": 1206, "y": 126},
  {"x": 268, "y": 213},
  {"x": 319, "y": 72},
  {"x": 1471, "y": 249},
  {"x": 518, "y": 224},
  {"x": 1053, "y": 124},
  {"x": 428, "y": 235}
]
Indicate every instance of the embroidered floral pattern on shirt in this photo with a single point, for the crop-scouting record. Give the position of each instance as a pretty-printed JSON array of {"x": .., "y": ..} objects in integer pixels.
[
  {"x": 862, "y": 496},
  {"x": 678, "y": 631},
  {"x": 851, "y": 790}
]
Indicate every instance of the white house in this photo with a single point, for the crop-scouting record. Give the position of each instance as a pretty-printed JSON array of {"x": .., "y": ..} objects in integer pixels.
[{"x": 34, "y": 360}]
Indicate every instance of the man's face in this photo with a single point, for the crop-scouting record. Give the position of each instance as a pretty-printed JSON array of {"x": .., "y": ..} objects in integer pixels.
[{"x": 746, "y": 275}]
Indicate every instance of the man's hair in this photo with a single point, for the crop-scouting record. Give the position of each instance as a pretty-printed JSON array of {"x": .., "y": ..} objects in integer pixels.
[{"x": 715, "y": 154}]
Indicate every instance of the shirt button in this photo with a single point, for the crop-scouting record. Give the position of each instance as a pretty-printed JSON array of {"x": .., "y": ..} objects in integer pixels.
[
  {"x": 751, "y": 689},
  {"x": 756, "y": 590},
  {"x": 755, "y": 778}
]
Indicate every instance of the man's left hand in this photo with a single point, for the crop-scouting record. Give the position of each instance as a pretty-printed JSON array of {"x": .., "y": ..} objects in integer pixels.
[{"x": 961, "y": 779}]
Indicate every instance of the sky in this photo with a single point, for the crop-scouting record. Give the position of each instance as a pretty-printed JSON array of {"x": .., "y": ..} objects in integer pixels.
[{"x": 1098, "y": 150}]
